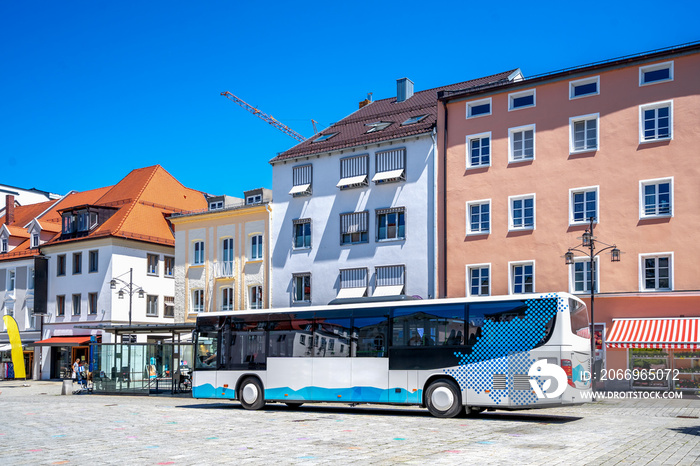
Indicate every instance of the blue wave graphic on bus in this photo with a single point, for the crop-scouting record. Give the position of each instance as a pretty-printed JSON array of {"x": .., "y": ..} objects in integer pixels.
[
  {"x": 208, "y": 391},
  {"x": 502, "y": 349},
  {"x": 345, "y": 395}
]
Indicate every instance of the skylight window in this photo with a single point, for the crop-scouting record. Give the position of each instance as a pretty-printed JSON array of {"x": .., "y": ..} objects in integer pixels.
[
  {"x": 377, "y": 126},
  {"x": 324, "y": 137},
  {"x": 413, "y": 119}
]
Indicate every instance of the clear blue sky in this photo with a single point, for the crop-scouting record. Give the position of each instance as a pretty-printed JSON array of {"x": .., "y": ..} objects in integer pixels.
[{"x": 93, "y": 89}]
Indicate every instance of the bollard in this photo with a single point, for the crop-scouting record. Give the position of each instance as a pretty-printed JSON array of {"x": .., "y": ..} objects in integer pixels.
[{"x": 67, "y": 387}]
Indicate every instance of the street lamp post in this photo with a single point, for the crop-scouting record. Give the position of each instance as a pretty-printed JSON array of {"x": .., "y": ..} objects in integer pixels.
[
  {"x": 589, "y": 242},
  {"x": 128, "y": 287}
]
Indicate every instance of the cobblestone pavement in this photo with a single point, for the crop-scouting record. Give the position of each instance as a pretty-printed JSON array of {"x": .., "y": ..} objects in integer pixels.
[{"x": 39, "y": 426}]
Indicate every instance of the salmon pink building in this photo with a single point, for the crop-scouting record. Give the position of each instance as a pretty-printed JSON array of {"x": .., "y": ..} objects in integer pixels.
[{"x": 528, "y": 163}]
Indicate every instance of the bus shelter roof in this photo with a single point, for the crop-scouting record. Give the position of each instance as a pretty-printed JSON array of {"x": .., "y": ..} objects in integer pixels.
[{"x": 143, "y": 328}]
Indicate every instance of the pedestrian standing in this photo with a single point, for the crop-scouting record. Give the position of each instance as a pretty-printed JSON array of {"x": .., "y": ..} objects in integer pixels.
[{"x": 76, "y": 366}]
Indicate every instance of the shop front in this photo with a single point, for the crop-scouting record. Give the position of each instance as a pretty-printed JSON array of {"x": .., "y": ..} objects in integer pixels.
[
  {"x": 662, "y": 353},
  {"x": 63, "y": 351}
]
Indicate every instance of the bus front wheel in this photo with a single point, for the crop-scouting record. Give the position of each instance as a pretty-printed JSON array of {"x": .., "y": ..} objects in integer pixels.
[
  {"x": 252, "y": 394},
  {"x": 443, "y": 399}
]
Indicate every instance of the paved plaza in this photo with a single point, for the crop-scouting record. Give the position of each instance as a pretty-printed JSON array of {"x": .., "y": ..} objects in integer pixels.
[{"x": 40, "y": 426}]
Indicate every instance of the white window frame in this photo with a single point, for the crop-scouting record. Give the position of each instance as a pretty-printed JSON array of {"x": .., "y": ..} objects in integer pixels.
[
  {"x": 511, "y": 284},
  {"x": 149, "y": 301},
  {"x": 92, "y": 310},
  {"x": 655, "y": 67},
  {"x": 584, "y": 190},
  {"x": 511, "y": 143},
  {"x": 195, "y": 307},
  {"x": 254, "y": 199},
  {"x": 657, "y": 181},
  {"x": 60, "y": 310},
  {"x": 642, "y": 277},
  {"x": 4, "y": 245},
  {"x": 226, "y": 306},
  {"x": 96, "y": 254},
  {"x": 294, "y": 288},
  {"x": 516, "y": 95},
  {"x": 583, "y": 82},
  {"x": 169, "y": 303},
  {"x": 511, "y": 226},
  {"x": 384, "y": 213},
  {"x": 198, "y": 258},
  {"x": 11, "y": 281},
  {"x": 469, "y": 269},
  {"x": 254, "y": 254},
  {"x": 35, "y": 240},
  {"x": 470, "y": 204},
  {"x": 165, "y": 266},
  {"x": 478, "y": 103},
  {"x": 654, "y": 106},
  {"x": 572, "y": 272},
  {"x": 149, "y": 271},
  {"x": 256, "y": 302},
  {"x": 572, "y": 135},
  {"x": 76, "y": 310},
  {"x": 479, "y": 136},
  {"x": 216, "y": 205}
]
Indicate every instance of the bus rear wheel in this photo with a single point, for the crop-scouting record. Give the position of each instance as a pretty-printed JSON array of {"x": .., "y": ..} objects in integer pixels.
[
  {"x": 443, "y": 399},
  {"x": 252, "y": 394}
]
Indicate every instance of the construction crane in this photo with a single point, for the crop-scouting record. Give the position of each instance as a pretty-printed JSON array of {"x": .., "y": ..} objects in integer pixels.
[{"x": 268, "y": 118}]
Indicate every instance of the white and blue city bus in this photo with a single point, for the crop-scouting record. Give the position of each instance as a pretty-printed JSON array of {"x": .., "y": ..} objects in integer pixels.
[{"x": 450, "y": 355}]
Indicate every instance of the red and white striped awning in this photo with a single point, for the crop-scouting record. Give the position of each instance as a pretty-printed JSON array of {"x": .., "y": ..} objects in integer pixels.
[{"x": 669, "y": 333}]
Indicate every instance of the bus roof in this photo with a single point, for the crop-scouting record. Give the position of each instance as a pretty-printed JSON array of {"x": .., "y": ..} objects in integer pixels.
[{"x": 365, "y": 304}]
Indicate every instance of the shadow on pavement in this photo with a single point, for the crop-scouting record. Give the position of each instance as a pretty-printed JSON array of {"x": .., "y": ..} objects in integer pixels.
[
  {"x": 383, "y": 411},
  {"x": 687, "y": 430}
]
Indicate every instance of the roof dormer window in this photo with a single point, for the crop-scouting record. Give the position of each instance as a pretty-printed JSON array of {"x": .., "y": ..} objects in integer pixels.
[
  {"x": 324, "y": 137},
  {"x": 377, "y": 126},
  {"x": 413, "y": 119},
  {"x": 35, "y": 240}
]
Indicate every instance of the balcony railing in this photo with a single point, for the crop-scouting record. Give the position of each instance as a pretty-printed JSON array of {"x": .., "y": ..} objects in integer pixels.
[{"x": 224, "y": 269}]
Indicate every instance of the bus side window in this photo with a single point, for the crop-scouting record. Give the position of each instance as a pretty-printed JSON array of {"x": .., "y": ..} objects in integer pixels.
[
  {"x": 498, "y": 312},
  {"x": 428, "y": 325},
  {"x": 334, "y": 341},
  {"x": 371, "y": 335}
]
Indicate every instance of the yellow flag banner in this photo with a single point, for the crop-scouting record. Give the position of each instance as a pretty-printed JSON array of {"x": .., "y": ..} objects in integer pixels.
[{"x": 16, "y": 342}]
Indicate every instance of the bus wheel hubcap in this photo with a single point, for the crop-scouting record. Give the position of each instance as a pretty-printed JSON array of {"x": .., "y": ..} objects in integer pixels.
[
  {"x": 250, "y": 393},
  {"x": 442, "y": 398}
]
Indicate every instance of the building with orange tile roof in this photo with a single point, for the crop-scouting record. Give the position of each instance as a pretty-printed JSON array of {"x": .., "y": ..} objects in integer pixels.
[{"x": 80, "y": 245}]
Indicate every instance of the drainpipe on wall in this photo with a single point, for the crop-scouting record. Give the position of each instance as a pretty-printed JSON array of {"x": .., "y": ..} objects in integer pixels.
[
  {"x": 444, "y": 204},
  {"x": 268, "y": 277}
]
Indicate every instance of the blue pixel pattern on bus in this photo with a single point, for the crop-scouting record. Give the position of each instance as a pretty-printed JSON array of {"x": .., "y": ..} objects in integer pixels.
[{"x": 503, "y": 349}]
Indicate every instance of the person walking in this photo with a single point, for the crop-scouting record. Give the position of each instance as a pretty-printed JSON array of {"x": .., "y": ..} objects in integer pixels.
[{"x": 76, "y": 366}]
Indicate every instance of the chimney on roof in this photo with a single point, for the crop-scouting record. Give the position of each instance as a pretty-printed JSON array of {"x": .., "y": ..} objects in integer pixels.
[
  {"x": 367, "y": 101},
  {"x": 404, "y": 89},
  {"x": 9, "y": 209}
]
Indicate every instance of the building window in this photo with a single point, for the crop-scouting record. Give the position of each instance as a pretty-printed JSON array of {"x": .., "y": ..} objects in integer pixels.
[
  {"x": 256, "y": 247},
  {"x": 656, "y": 122},
  {"x": 227, "y": 298},
  {"x": 302, "y": 233},
  {"x": 524, "y": 99},
  {"x": 354, "y": 228},
  {"x": 353, "y": 172},
  {"x": 324, "y": 137},
  {"x": 10, "y": 280},
  {"x": 3, "y": 245},
  {"x": 152, "y": 305},
  {"x": 256, "y": 297},
  {"x": 479, "y": 108},
  {"x": 377, "y": 126},
  {"x": 35, "y": 240},
  {"x": 656, "y": 272},
  {"x": 169, "y": 266},
  {"x": 656, "y": 198},
  {"x": 197, "y": 301},
  {"x": 61, "y": 265},
  {"x": 30, "y": 279},
  {"x": 479, "y": 217},
  {"x": 583, "y": 135},
  {"x": 584, "y": 204},
  {"x": 391, "y": 224},
  {"x": 198, "y": 253},
  {"x": 302, "y": 177},
  {"x": 390, "y": 166},
  {"x": 152, "y": 261},
  {"x": 353, "y": 283},
  {"x": 60, "y": 305},
  {"x": 76, "y": 304},
  {"x": 169, "y": 309},
  {"x": 580, "y": 278},
  {"x": 255, "y": 199},
  {"x": 584, "y": 87},
  {"x": 92, "y": 303},
  {"x": 77, "y": 263},
  {"x": 391, "y": 280},
  {"x": 302, "y": 288},
  {"x": 93, "y": 261},
  {"x": 479, "y": 150},
  {"x": 216, "y": 205},
  {"x": 522, "y": 212},
  {"x": 521, "y": 143},
  {"x": 658, "y": 73},
  {"x": 522, "y": 277},
  {"x": 69, "y": 223},
  {"x": 413, "y": 119},
  {"x": 479, "y": 280}
]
